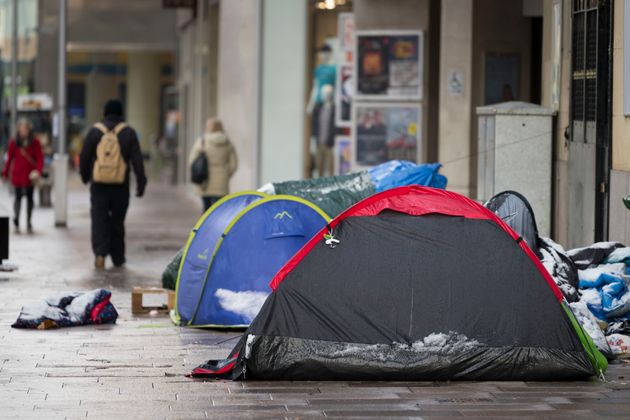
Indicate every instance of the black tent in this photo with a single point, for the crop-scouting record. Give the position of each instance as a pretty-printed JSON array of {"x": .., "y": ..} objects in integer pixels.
[
  {"x": 413, "y": 283},
  {"x": 514, "y": 209}
]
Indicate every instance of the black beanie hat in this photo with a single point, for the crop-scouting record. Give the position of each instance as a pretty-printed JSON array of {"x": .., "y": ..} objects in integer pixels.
[{"x": 113, "y": 107}]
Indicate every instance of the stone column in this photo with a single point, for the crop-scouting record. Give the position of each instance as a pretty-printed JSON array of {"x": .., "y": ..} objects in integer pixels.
[
  {"x": 143, "y": 96},
  {"x": 283, "y": 90},
  {"x": 99, "y": 88},
  {"x": 238, "y": 85},
  {"x": 456, "y": 108}
]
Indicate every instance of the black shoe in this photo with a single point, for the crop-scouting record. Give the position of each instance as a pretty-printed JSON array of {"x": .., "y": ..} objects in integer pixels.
[
  {"x": 29, "y": 228},
  {"x": 119, "y": 263}
]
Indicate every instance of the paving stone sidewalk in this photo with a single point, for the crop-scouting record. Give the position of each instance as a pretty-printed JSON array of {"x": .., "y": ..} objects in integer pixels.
[{"x": 135, "y": 369}]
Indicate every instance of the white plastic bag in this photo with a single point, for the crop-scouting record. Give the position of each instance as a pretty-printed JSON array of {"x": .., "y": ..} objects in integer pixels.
[{"x": 619, "y": 344}]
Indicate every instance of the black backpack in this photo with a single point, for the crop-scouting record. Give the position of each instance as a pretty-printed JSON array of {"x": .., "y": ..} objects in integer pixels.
[{"x": 199, "y": 170}]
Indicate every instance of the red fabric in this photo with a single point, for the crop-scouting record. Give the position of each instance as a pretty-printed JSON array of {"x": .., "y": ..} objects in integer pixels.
[
  {"x": 96, "y": 310},
  {"x": 416, "y": 201},
  {"x": 225, "y": 369},
  {"x": 18, "y": 167}
]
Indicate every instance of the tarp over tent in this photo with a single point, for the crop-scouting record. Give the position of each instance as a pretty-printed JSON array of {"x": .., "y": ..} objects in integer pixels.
[
  {"x": 234, "y": 251},
  {"x": 413, "y": 283},
  {"x": 334, "y": 194}
]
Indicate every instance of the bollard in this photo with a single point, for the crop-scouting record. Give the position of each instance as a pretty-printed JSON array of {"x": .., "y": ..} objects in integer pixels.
[{"x": 4, "y": 239}]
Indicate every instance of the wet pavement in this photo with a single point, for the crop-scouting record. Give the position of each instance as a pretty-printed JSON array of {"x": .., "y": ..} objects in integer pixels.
[{"x": 136, "y": 368}]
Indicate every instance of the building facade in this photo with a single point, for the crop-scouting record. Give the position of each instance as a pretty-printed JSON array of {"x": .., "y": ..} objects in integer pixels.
[
  {"x": 251, "y": 62},
  {"x": 255, "y": 63}
]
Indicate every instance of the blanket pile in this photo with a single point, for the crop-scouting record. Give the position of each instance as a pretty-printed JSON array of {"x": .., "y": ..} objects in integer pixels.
[{"x": 69, "y": 310}]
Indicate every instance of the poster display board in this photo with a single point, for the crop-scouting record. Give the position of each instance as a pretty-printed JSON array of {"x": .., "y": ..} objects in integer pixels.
[
  {"x": 502, "y": 78},
  {"x": 389, "y": 65},
  {"x": 386, "y": 131},
  {"x": 343, "y": 155},
  {"x": 345, "y": 81}
]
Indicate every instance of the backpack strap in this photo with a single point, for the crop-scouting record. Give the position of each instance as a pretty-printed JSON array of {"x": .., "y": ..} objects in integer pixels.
[
  {"x": 119, "y": 127},
  {"x": 101, "y": 127}
]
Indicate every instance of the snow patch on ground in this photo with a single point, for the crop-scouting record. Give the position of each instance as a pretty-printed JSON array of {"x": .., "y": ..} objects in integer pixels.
[{"x": 246, "y": 303}]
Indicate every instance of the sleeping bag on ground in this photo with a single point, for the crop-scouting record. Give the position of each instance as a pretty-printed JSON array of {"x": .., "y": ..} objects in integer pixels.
[{"x": 69, "y": 310}]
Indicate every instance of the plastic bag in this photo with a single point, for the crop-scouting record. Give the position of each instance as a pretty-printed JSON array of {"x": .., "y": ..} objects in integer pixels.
[
  {"x": 407, "y": 174},
  {"x": 619, "y": 344},
  {"x": 590, "y": 325}
]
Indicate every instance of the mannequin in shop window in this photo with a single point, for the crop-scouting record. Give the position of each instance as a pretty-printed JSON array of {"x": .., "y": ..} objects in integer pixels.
[
  {"x": 324, "y": 74},
  {"x": 324, "y": 131}
]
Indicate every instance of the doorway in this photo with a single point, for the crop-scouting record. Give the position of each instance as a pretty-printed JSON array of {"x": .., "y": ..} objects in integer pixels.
[{"x": 590, "y": 121}]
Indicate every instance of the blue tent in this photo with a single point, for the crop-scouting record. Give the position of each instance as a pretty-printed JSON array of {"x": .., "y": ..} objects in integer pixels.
[{"x": 233, "y": 252}]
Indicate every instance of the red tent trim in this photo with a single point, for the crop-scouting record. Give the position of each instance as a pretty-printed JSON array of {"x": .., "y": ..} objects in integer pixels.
[{"x": 406, "y": 200}]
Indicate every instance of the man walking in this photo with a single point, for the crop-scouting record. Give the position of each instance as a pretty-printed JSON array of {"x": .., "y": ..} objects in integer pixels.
[{"x": 111, "y": 147}]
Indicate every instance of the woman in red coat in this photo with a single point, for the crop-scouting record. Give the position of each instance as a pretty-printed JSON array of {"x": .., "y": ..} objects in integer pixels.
[{"x": 24, "y": 165}]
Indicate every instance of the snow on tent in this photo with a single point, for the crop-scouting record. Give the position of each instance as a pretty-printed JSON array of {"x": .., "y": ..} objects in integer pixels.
[
  {"x": 233, "y": 252},
  {"x": 413, "y": 283},
  {"x": 334, "y": 194}
]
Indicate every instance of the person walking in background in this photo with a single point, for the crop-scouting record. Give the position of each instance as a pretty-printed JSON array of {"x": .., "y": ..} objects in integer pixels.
[
  {"x": 24, "y": 165},
  {"x": 111, "y": 147},
  {"x": 221, "y": 162}
]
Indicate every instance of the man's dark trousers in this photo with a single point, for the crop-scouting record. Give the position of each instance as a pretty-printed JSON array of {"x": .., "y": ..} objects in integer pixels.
[{"x": 109, "y": 208}]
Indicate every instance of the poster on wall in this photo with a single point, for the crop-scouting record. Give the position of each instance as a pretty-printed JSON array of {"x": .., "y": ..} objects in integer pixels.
[
  {"x": 345, "y": 31},
  {"x": 389, "y": 65},
  {"x": 502, "y": 78},
  {"x": 344, "y": 93},
  {"x": 386, "y": 131},
  {"x": 345, "y": 70},
  {"x": 343, "y": 155}
]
